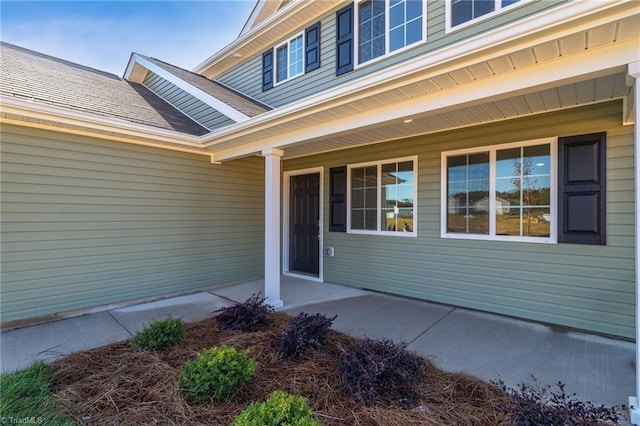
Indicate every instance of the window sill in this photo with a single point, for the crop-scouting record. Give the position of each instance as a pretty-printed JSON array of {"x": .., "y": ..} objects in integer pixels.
[
  {"x": 384, "y": 233},
  {"x": 480, "y": 237}
]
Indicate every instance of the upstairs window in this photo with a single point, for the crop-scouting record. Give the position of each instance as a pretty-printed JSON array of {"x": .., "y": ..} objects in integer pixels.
[
  {"x": 386, "y": 26},
  {"x": 463, "y": 11},
  {"x": 297, "y": 55},
  {"x": 289, "y": 59}
]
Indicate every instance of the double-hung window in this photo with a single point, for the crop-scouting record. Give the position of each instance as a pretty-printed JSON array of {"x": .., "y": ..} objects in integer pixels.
[
  {"x": 290, "y": 59},
  {"x": 462, "y": 11},
  {"x": 503, "y": 192},
  {"x": 386, "y": 26},
  {"x": 382, "y": 197}
]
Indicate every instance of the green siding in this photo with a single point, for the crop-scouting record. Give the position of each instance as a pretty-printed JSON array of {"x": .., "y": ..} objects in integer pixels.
[
  {"x": 88, "y": 222},
  {"x": 194, "y": 108},
  {"x": 247, "y": 77},
  {"x": 582, "y": 286}
]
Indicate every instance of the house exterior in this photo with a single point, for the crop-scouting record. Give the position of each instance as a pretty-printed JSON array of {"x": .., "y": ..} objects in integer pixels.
[{"x": 473, "y": 153}]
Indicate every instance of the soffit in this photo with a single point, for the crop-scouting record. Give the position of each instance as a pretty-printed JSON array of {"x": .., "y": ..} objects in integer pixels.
[{"x": 607, "y": 48}]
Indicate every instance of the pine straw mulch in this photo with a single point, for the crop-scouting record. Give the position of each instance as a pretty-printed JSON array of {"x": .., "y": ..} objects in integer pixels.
[{"x": 116, "y": 385}]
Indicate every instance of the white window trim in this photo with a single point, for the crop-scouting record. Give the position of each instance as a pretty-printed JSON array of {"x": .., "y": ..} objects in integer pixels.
[
  {"x": 553, "y": 231},
  {"x": 378, "y": 164},
  {"x": 497, "y": 10},
  {"x": 287, "y": 42},
  {"x": 387, "y": 54}
]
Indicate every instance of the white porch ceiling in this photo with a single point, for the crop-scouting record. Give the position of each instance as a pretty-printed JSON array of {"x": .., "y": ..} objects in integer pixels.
[{"x": 579, "y": 68}]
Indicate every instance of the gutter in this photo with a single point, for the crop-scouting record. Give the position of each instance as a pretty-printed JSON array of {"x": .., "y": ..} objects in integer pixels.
[{"x": 85, "y": 124}]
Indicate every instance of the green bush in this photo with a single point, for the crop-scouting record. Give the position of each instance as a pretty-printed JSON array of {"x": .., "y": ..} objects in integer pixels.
[
  {"x": 215, "y": 374},
  {"x": 160, "y": 335},
  {"x": 280, "y": 409}
]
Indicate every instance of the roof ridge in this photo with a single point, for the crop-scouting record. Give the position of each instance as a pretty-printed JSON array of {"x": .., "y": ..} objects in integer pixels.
[{"x": 59, "y": 60}]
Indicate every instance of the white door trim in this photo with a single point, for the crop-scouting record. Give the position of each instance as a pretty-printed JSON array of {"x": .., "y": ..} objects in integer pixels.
[{"x": 286, "y": 187}]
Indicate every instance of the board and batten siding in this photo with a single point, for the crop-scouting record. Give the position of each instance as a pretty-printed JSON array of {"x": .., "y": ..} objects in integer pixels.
[
  {"x": 582, "y": 286},
  {"x": 88, "y": 222},
  {"x": 191, "y": 106},
  {"x": 247, "y": 77}
]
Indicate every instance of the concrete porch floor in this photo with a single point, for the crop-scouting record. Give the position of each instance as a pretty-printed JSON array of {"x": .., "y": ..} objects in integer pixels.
[{"x": 597, "y": 369}]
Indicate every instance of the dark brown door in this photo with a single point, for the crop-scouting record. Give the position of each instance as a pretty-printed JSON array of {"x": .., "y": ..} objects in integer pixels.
[{"x": 304, "y": 214}]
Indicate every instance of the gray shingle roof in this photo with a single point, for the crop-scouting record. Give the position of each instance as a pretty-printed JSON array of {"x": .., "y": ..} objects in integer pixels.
[
  {"x": 234, "y": 99},
  {"x": 43, "y": 79}
]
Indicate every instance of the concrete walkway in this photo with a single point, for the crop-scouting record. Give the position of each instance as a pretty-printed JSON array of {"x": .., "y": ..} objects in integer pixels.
[{"x": 488, "y": 346}]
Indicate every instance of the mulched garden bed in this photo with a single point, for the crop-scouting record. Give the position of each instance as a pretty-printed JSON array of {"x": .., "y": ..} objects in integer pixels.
[{"x": 116, "y": 384}]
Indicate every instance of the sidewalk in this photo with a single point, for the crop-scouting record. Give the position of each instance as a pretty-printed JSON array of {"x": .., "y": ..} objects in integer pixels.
[{"x": 488, "y": 346}]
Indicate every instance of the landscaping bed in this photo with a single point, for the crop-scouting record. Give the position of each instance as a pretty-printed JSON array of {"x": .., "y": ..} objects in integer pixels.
[
  {"x": 250, "y": 366},
  {"x": 117, "y": 384}
]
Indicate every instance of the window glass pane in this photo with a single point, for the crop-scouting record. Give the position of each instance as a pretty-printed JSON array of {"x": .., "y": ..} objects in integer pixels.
[
  {"x": 371, "y": 18},
  {"x": 295, "y": 57},
  {"x": 364, "y": 201},
  {"x": 414, "y": 32},
  {"x": 396, "y": 39},
  {"x": 397, "y": 193},
  {"x": 508, "y": 162},
  {"x": 468, "y": 194},
  {"x": 461, "y": 11},
  {"x": 482, "y": 7},
  {"x": 378, "y": 47},
  {"x": 396, "y": 15},
  {"x": 506, "y": 3},
  {"x": 281, "y": 63},
  {"x": 523, "y": 179}
]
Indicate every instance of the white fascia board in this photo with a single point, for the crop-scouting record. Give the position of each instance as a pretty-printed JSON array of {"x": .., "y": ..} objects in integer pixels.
[
  {"x": 562, "y": 71},
  {"x": 125, "y": 130},
  {"x": 504, "y": 39},
  {"x": 213, "y": 102},
  {"x": 278, "y": 21}
]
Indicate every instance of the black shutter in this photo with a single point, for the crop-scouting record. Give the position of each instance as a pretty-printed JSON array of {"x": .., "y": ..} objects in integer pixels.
[
  {"x": 338, "y": 199},
  {"x": 582, "y": 189},
  {"x": 267, "y": 70},
  {"x": 312, "y": 48},
  {"x": 344, "y": 40}
]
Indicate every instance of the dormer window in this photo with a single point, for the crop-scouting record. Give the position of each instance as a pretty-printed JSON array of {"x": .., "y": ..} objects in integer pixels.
[{"x": 386, "y": 26}]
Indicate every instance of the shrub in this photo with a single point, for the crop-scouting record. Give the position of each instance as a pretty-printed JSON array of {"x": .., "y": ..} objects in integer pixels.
[
  {"x": 160, "y": 335},
  {"x": 371, "y": 369},
  {"x": 305, "y": 333},
  {"x": 215, "y": 373},
  {"x": 539, "y": 405},
  {"x": 245, "y": 316},
  {"x": 280, "y": 409}
]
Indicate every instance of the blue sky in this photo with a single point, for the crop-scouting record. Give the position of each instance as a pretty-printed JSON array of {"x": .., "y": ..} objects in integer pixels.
[{"x": 102, "y": 34}]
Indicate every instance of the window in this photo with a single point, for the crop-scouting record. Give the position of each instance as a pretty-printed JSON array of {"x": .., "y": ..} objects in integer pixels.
[
  {"x": 289, "y": 59},
  {"x": 386, "y": 26},
  {"x": 296, "y": 56},
  {"x": 506, "y": 192},
  {"x": 382, "y": 197},
  {"x": 463, "y": 11}
]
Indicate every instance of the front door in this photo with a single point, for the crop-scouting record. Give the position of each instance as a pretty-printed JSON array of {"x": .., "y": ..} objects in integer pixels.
[{"x": 304, "y": 216}]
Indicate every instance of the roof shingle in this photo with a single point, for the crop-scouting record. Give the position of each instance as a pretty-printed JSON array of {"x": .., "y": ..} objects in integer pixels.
[{"x": 43, "y": 79}]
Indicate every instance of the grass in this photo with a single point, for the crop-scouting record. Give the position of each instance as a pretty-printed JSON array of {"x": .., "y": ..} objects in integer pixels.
[{"x": 25, "y": 397}]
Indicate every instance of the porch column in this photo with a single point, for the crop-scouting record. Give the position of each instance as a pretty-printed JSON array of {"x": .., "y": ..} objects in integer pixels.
[
  {"x": 272, "y": 158},
  {"x": 634, "y": 73}
]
